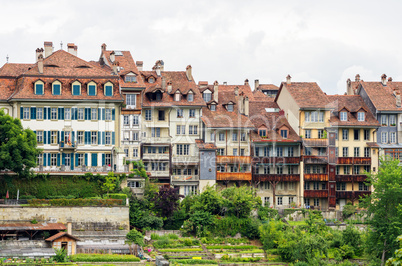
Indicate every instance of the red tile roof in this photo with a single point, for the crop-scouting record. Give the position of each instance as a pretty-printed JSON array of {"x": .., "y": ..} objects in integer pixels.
[
  {"x": 60, "y": 234},
  {"x": 259, "y": 95},
  {"x": 383, "y": 96},
  {"x": 7, "y": 87},
  {"x": 205, "y": 146},
  {"x": 306, "y": 94},
  {"x": 268, "y": 87},
  {"x": 14, "y": 70},
  {"x": 30, "y": 226}
]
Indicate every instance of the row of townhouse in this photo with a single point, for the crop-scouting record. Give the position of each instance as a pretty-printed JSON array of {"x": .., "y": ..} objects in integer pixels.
[{"x": 296, "y": 145}]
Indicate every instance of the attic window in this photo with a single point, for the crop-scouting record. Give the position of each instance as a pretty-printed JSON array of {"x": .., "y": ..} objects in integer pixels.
[
  {"x": 76, "y": 88},
  {"x": 56, "y": 88},
  {"x": 108, "y": 89},
  {"x": 230, "y": 107},
  {"x": 83, "y": 67},
  {"x": 91, "y": 89},
  {"x": 262, "y": 133},
  {"x": 360, "y": 116},
  {"x": 344, "y": 116},
  {"x": 158, "y": 96},
  {"x": 130, "y": 78},
  {"x": 207, "y": 95},
  {"x": 284, "y": 133},
  {"x": 51, "y": 66},
  {"x": 190, "y": 96},
  {"x": 177, "y": 96},
  {"x": 212, "y": 107},
  {"x": 39, "y": 87},
  {"x": 151, "y": 80}
]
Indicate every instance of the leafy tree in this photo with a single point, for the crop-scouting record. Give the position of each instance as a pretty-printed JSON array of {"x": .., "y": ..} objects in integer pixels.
[
  {"x": 198, "y": 222},
  {"x": 382, "y": 209},
  {"x": 209, "y": 200},
  {"x": 110, "y": 183},
  {"x": 18, "y": 150},
  {"x": 352, "y": 238},
  {"x": 240, "y": 201},
  {"x": 135, "y": 237},
  {"x": 61, "y": 255},
  {"x": 166, "y": 201},
  {"x": 397, "y": 259}
]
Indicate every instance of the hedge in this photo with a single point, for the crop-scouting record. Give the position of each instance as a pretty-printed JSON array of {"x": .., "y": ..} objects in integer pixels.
[
  {"x": 75, "y": 202},
  {"x": 116, "y": 196},
  {"x": 179, "y": 249},
  {"x": 103, "y": 258},
  {"x": 232, "y": 247},
  {"x": 192, "y": 261}
]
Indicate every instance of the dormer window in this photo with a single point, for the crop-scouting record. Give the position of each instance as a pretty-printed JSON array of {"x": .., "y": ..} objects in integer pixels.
[
  {"x": 158, "y": 96},
  {"x": 284, "y": 133},
  {"x": 212, "y": 107},
  {"x": 56, "y": 88},
  {"x": 91, "y": 89},
  {"x": 230, "y": 107},
  {"x": 360, "y": 116},
  {"x": 190, "y": 96},
  {"x": 76, "y": 88},
  {"x": 108, "y": 89},
  {"x": 262, "y": 133},
  {"x": 130, "y": 78},
  {"x": 343, "y": 116},
  {"x": 39, "y": 87},
  {"x": 177, "y": 96},
  {"x": 151, "y": 80},
  {"x": 207, "y": 95}
]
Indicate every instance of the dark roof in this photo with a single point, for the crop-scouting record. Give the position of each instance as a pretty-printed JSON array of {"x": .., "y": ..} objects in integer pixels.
[
  {"x": 30, "y": 226},
  {"x": 306, "y": 94},
  {"x": 60, "y": 234}
]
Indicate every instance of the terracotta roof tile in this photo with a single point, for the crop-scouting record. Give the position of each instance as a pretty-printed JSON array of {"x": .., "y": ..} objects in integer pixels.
[
  {"x": 268, "y": 87},
  {"x": 205, "y": 146},
  {"x": 7, "y": 87},
  {"x": 14, "y": 70},
  {"x": 60, "y": 234},
  {"x": 306, "y": 94},
  {"x": 383, "y": 96}
]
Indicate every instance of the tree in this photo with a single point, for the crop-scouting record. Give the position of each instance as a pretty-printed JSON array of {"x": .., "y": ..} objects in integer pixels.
[
  {"x": 18, "y": 150},
  {"x": 166, "y": 201},
  {"x": 110, "y": 183},
  {"x": 240, "y": 201},
  {"x": 135, "y": 237},
  {"x": 382, "y": 208},
  {"x": 397, "y": 259},
  {"x": 209, "y": 200}
]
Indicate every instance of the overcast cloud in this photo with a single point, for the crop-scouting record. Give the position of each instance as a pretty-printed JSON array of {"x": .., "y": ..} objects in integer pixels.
[{"x": 322, "y": 41}]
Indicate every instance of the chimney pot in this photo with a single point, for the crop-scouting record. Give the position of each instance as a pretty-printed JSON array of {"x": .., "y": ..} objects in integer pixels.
[
  {"x": 112, "y": 57},
  {"x": 39, "y": 51},
  {"x": 103, "y": 47},
  {"x": 246, "y": 107},
  {"x": 349, "y": 87},
  {"x": 72, "y": 48},
  {"x": 163, "y": 83},
  {"x": 40, "y": 63},
  {"x": 216, "y": 91},
  {"x": 389, "y": 79},
  {"x": 236, "y": 91},
  {"x": 288, "y": 80},
  {"x": 139, "y": 65},
  {"x": 246, "y": 82},
  {"x": 357, "y": 78},
  {"x": 256, "y": 84},
  {"x": 384, "y": 79},
  {"x": 169, "y": 87},
  {"x": 48, "y": 48},
  {"x": 189, "y": 73}
]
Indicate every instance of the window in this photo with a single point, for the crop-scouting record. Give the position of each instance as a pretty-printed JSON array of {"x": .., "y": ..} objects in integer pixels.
[
  {"x": 367, "y": 168},
  {"x": 384, "y": 137},
  {"x": 384, "y": 120},
  {"x": 158, "y": 96},
  {"x": 356, "y": 134},
  {"x": 134, "y": 184},
  {"x": 94, "y": 137},
  {"x": 212, "y": 107},
  {"x": 280, "y": 200},
  {"x": 356, "y": 152},
  {"x": 126, "y": 152},
  {"x": 307, "y": 202},
  {"x": 131, "y": 100},
  {"x": 56, "y": 88},
  {"x": 92, "y": 89},
  {"x": 230, "y": 107},
  {"x": 53, "y": 139},
  {"x": 306, "y": 185},
  {"x": 39, "y": 113},
  {"x": 126, "y": 121},
  {"x": 242, "y": 152},
  {"x": 94, "y": 113},
  {"x": 80, "y": 137},
  {"x": 290, "y": 169},
  {"x": 179, "y": 113},
  {"x": 266, "y": 202},
  {"x": 192, "y": 113},
  {"x": 360, "y": 116},
  {"x": 290, "y": 152},
  {"x": 126, "y": 135},
  {"x": 76, "y": 89},
  {"x": 135, "y": 152},
  {"x": 212, "y": 136},
  {"x": 345, "y": 134},
  {"x": 177, "y": 96},
  {"x": 235, "y": 152},
  {"x": 356, "y": 169},
  {"x": 366, "y": 134},
  {"x": 221, "y": 136},
  {"x": 243, "y": 137},
  {"x": 108, "y": 114},
  {"x": 284, "y": 133},
  {"x": 341, "y": 186},
  {"x": 155, "y": 132},
  {"x": 290, "y": 200},
  {"x": 180, "y": 129},
  {"x": 108, "y": 90},
  {"x": 108, "y": 159},
  {"x": 39, "y": 88},
  {"x": 307, "y": 116},
  {"x": 307, "y": 150},
  {"x": 53, "y": 159},
  {"x": 135, "y": 136},
  {"x": 108, "y": 137},
  {"x": 190, "y": 190},
  {"x": 366, "y": 151},
  {"x": 221, "y": 151},
  {"x": 39, "y": 136},
  {"x": 161, "y": 115},
  {"x": 267, "y": 171},
  {"x": 321, "y": 116},
  {"x": 392, "y": 137},
  {"x": 279, "y": 170},
  {"x": 190, "y": 97},
  {"x": 182, "y": 149},
  {"x": 343, "y": 116},
  {"x": 337, "y": 169},
  {"x": 67, "y": 113},
  {"x": 262, "y": 132},
  {"x": 207, "y": 95},
  {"x": 135, "y": 120},
  {"x": 316, "y": 202},
  {"x": 234, "y": 136},
  {"x": 346, "y": 170},
  {"x": 151, "y": 80},
  {"x": 220, "y": 168},
  {"x": 392, "y": 120},
  {"x": 336, "y": 152},
  {"x": 279, "y": 151},
  {"x": 320, "y": 133},
  {"x": 308, "y": 133},
  {"x": 26, "y": 114},
  {"x": 363, "y": 187},
  {"x": 67, "y": 137},
  {"x": 39, "y": 159},
  {"x": 193, "y": 130},
  {"x": 345, "y": 151},
  {"x": 130, "y": 78}
]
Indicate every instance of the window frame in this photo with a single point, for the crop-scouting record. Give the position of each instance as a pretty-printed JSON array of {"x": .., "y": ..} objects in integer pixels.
[
  {"x": 76, "y": 85},
  {"x": 56, "y": 83},
  {"x": 89, "y": 86},
  {"x": 343, "y": 116},
  {"x": 108, "y": 86}
]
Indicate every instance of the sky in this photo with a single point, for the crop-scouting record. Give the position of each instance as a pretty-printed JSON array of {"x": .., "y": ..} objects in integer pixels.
[{"x": 225, "y": 40}]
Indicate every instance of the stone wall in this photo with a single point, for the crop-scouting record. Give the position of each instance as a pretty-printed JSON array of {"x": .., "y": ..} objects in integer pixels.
[{"x": 82, "y": 218}]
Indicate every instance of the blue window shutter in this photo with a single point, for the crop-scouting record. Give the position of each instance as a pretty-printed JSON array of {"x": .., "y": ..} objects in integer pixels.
[
  {"x": 58, "y": 159},
  {"x": 44, "y": 114},
  {"x": 72, "y": 136},
  {"x": 62, "y": 113},
  {"x": 59, "y": 113},
  {"x": 76, "y": 113},
  {"x": 48, "y": 159},
  {"x": 72, "y": 114},
  {"x": 44, "y": 137},
  {"x": 103, "y": 137},
  {"x": 76, "y": 160},
  {"x": 103, "y": 113},
  {"x": 113, "y": 114},
  {"x": 21, "y": 113},
  {"x": 58, "y": 137},
  {"x": 72, "y": 161},
  {"x": 62, "y": 136},
  {"x": 86, "y": 137},
  {"x": 94, "y": 159},
  {"x": 63, "y": 159},
  {"x": 86, "y": 114},
  {"x": 44, "y": 159},
  {"x": 112, "y": 138},
  {"x": 99, "y": 137},
  {"x": 48, "y": 137},
  {"x": 99, "y": 114},
  {"x": 49, "y": 114},
  {"x": 89, "y": 114},
  {"x": 103, "y": 159},
  {"x": 33, "y": 112},
  {"x": 86, "y": 158}
]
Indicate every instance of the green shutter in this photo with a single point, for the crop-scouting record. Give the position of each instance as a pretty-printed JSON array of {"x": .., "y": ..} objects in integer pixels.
[
  {"x": 94, "y": 159},
  {"x": 103, "y": 159},
  {"x": 21, "y": 112},
  {"x": 63, "y": 159},
  {"x": 86, "y": 159},
  {"x": 44, "y": 159},
  {"x": 58, "y": 159}
]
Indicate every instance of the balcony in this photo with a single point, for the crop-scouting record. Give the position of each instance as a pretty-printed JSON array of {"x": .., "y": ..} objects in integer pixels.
[
  {"x": 157, "y": 140},
  {"x": 316, "y": 193},
  {"x": 67, "y": 146},
  {"x": 277, "y": 160},
  {"x": 156, "y": 156},
  {"x": 315, "y": 142},
  {"x": 350, "y": 178},
  {"x": 312, "y": 159},
  {"x": 185, "y": 178},
  {"x": 351, "y": 194},
  {"x": 77, "y": 169},
  {"x": 233, "y": 159},
  {"x": 233, "y": 176},
  {"x": 159, "y": 173},
  {"x": 185, "y": 160},
  {"x": 274, "y": 177},
  {"x": 316, "y": 177},
  {"x": 354, "y": 160}
]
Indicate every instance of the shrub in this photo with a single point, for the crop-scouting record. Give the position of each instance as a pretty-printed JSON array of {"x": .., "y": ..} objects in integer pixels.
[
  {"x": 172, "y": 236},
  {"x": 352, "y": 237},
  {"x": 192, "y": 261},
  {"x": 347, "y": 252},
  {"x": 61, "y": 255},
  {"x": 135, "y": 237},
  {"x": 116, "y": 196},
  {"x": 348, "y": 210},
  {"x": 155, "y": 236},
  {"x": 75, "y": 202},
  {"x": 230, "y": 259},
  {"x": 232, "y": 247},
  {"x": 150, "y": 222},
  {"x": 180, "y": 249},
  {"x": 103, "y": 258}
]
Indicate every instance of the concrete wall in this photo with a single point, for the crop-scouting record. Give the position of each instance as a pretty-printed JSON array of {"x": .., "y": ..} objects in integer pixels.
[{"x": 82, "y": 218}]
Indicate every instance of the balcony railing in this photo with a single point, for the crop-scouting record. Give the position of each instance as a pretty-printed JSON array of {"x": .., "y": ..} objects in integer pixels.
[
  {"x": 354, "y": 160},
  {"x": 233, "y": 159},
  {"x": 233, "y": 176},
  {"x": 276, "y": 160},
  {"x": 351, "y": 194},
  {"x": 184, "y": 178},
  {"x": 67, "y": 146},
  {"x": 185, "y": 160},
  {"x": 316, "y": 193},
  {"x": 312, "y": 159},
  {"x": 274, "y": 177},
  {"x": 156, "y": 140},
  {"x": 158, "y": 173},
  {"x": 67, "y": 169},
  {"x": 316, "y": 177},
  {"x": 315, "y": 142},
  {"x": 350, "y": 178},
  {"x": 156, "y": 156}
]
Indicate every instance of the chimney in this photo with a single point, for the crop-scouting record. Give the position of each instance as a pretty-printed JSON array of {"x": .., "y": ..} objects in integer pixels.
[
  {"x": 39, "y": 51},
  {"x": 246, "y": 106},
  {"x": 384, "y": 80},
  {"x": 216, "y": 91},
  {"x": 225, "y": 83},
  {"x": 389, "y": 79},
  {"x": 158, "y": 67},
  {"x": 188, "y": 73},
  {"x": 236, "y": 91},
  {"x": 240, "y": 103},
  {"x": 112, "y": 57},
  {"x": 246, "y": 82},
  {"x": 69, "y": 228},
  {"x": 115, "y": 67},
  {"x": 163, "y": 83},
  {"x": 357, "y": 78},
  {"x": 72, "y": 48},
  {"x": 103, "y": 47},
  {"x": 256, "y": 84},
  {"x": 398, "y": 99},
  {"x": 288, "y": 80},
  {"x": 139, "y": 65},
  {"x": 169, "y": 87},
  {"x": 48, "y": 48},
  {"x": 40, "y": 63},
  {"x": 349, "y": 87}
]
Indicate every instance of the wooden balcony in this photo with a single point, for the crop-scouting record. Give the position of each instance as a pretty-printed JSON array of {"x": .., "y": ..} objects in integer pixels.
[
  {"x": 233, "y": 159},
  {"x": 312, "y": 159},
  {"x": 315, "y": 142},
  {"x": 233, "y": 176},
  {"x": 350, "y": 178},
  {"x": 351, "y": 194},
  {"x": 316, "y": 193},
  {"x": 354, "y": 160},
  {"x": 316, "y": 177},
  {"x": 273, "y": 177},
  {"x": 276, "y": 160}
]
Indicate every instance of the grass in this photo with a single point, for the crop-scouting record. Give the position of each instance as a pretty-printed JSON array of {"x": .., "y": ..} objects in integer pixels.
[
  {"x": 241, "y": 252},
  {"x": 103, "y": 258},
  {"x": 295, "y": 223},
  {"x": 232, "y": 247},
  {"x": 179, "y": 249}
]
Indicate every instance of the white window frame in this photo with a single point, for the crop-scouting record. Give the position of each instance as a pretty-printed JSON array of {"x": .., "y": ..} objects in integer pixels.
[
  {"x": 361, "y": 116},
  {"x": 108, "y": 138},
  {"x": 39, "y": 113},
  {"x": 80, "y": 114},
  {"x": 67, "y": 113},
  {"x": 53, "y": 113},
  {"x": 131, "y": 101},
  {"x": 135, "y": 152},
  {"x": 80, "y": 137},
  {"x": 384, "y": 137},
  {"x": 126, "y": 120},
  {"x": 39, "y": 136},
  {"x": 343, "y": 116},
  {"x": 392, "y": 137},
  {"x": 26, "y": 114},
  {"x": 94, "y": 137},
  {"x": 108, "y": 114},
  {"x": 94, "y": 113},
  {"x": 135, "y": 120}
]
